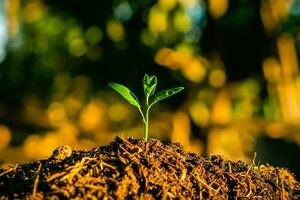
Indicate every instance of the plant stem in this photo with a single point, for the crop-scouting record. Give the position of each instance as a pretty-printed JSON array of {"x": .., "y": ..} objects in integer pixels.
[
  {"x": 142, "y": 115},
  {"x": 146, "y": 124},
  {"x": 147, "y": 101}
]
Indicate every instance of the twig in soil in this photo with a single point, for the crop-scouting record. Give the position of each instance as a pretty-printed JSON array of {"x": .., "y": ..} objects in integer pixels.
[
  {"x": 36, "y": 181},
  {"x": 210, "y": 189},
  {"x": 253, "y": 163},
  {"x": 10, "y": 170},
  {"x": 102, "y": 163}
]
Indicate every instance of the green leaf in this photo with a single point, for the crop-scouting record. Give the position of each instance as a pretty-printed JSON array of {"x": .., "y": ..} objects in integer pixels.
[
  {"x": 166, "y": 93},
  {"x": 149, "y": 84},
  {"x": 126, "y": 93}
]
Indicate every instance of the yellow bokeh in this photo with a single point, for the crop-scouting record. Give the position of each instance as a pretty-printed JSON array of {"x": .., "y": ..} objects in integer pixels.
[
  {"x": 31, "y": 146},
  {"x": 289, "y": 102},
  {"x": 288, "y": 55},
  {"x": 181, "y": 128},
  {"x": 188, "y": 3},
  {"x": 67, "y": 133},
  {"x": 72, "y": 105},
  {"x": 221, "y": 110},
  {"x": 227, "y": 142},
  {"x": 118, "y": 112},
  {"x": 76, "y": 42},
  {"x": 73, "y": 33},
  {"x": 34, "y": 11},
  {"x": 192, "y": 66},
  {"x": 274, "y": 12},
  {"x": 297, "y": 84},
  {"x": 268, "y": 20},
  {"x": 37, "y": 147},
  {"x": 92, "y": 117},
  {"x": 185, "y": 53},
  {"x": 181, "y": 133},
  {"x": 282, "y": 78},
  {"x": 194, "y": 70},
  {"x": 182, "y": 22},
  {"x": 279, "y": 8},
  {"x": 244, "y": 110},
  {"x": 172, "y": 59},
  {"x": 217, "y": 8},
  {"x": 217, "y": 78},
  {"x": 41, "y": 146},
  {"x": 175, "y": 30},
  {"x": 206, "y": 95},
  {"x": 12, "y": 8},
  {"x": 77, "y": 47},
  {"x": 200, "y": 113},
  {"x": 271, "y": 69},
  {"x": 115, "y": 30},
  {"x": 167, "y": 4},
  {"x": 275, "y": 130},
  {"x": 157, "y": 20},
  {"x": 165, "y": 56},
  {"x": 5, "y": 136},
  {"x": 56, "y": 113}
]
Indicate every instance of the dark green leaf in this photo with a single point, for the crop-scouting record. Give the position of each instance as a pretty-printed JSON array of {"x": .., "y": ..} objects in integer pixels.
[
  {"x": 166, "y": 93},
  {"x": 126, "y": 93}
]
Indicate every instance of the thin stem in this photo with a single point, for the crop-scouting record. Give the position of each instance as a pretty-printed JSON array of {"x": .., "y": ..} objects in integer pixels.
[
  {"x": 151, "y": 105},
  {"x": 146, "y": 124},
  {"x": 144, "y": 120},
  {"x": 147, "y": 100}
]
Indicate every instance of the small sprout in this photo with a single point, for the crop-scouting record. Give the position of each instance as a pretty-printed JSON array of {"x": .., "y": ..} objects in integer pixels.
[{"x": 149, "y": 85}]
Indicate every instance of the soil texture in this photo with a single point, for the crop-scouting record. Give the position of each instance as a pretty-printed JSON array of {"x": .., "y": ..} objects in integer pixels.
[{"x": 136, "y": 169}]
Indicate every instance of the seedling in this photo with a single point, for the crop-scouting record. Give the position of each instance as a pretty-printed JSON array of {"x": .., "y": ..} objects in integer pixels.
[{"x": 149, "y": 85}]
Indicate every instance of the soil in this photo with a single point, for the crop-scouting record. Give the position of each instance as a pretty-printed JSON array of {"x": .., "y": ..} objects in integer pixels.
[{"x": 136, "y": 169}]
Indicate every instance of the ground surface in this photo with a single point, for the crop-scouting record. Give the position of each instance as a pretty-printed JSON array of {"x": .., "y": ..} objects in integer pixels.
[{"x": 135, "y": 169}]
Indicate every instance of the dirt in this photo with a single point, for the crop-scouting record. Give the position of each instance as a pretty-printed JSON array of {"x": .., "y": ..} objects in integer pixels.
[{"x": 136, "y": 169}]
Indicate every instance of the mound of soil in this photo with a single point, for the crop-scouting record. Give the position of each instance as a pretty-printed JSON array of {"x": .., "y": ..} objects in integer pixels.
[{"x": 135, "y": 169}]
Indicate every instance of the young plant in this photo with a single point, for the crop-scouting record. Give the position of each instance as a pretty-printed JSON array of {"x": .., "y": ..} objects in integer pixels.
[{"x": 149, "y": 85}]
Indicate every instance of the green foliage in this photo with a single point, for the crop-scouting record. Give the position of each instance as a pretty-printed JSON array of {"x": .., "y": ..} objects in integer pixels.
[
  {"x": 149, "y": 85},
  {"x": 166, "y": 93},
  {"x": 126, "y": 93}
]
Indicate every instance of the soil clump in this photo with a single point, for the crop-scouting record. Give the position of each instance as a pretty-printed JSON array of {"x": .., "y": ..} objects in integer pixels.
[{"x": 136, "y": 169}]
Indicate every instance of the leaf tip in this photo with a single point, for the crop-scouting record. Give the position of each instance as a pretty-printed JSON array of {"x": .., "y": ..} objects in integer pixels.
[{"x": 112, "y": 84}]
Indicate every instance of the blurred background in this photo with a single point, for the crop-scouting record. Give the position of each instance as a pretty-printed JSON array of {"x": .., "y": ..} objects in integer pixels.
[{"x": 238, "y": 61}]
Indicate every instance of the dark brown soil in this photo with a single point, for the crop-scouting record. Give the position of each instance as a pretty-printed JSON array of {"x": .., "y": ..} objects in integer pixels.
[{"x": 135, "y": 169}]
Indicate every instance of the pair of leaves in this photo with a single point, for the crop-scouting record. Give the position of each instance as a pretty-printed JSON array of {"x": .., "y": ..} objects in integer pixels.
[{"x": 149, "y": 84}]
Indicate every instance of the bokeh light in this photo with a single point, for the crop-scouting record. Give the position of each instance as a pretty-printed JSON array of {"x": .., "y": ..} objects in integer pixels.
[
  {"x": 238, "y": 62},
  {"x": 5, "y": 136},
  {"x": 115, "y": 31}
]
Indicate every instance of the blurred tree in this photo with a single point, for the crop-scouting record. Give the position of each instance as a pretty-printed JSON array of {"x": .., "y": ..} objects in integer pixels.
[{"x": 238, "y": 61}]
